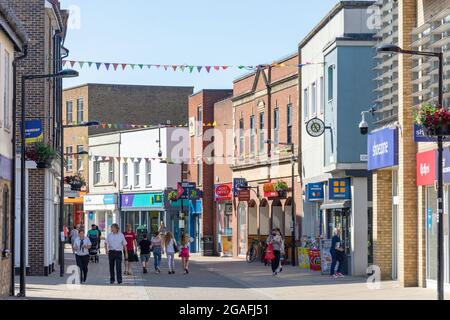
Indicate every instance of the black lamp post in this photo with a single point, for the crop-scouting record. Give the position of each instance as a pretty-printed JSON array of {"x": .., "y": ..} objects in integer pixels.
[
  {"x": 293, "y": 160},
  {"x": 440, "y": 138},
  {"x": 63, "y": 74}
]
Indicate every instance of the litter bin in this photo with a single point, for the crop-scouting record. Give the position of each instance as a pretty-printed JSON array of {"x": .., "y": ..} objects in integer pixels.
[{"x": 208, "y": 246}]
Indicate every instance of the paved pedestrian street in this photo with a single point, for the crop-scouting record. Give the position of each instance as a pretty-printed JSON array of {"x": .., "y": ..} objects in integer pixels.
[{"x": 214, "y": 278}]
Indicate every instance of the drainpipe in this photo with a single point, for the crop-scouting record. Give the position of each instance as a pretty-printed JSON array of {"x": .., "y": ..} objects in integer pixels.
[{"x": 13, "y": 170}]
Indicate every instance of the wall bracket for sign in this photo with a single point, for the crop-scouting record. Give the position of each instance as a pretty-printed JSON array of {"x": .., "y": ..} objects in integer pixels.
[{"x": 316, "y": 127}]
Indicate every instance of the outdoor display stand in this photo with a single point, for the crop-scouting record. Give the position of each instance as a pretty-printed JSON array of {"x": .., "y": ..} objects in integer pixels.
[
  {"x": 303, "y": 258},
  {"x": 326, "y": 259},
  {"x": 314, "y": 260}
]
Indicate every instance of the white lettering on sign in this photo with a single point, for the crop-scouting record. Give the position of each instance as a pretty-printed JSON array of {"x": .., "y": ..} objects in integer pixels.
[
  {"x": 424, "y": 169},
  {"x": 380, "y": 149}
]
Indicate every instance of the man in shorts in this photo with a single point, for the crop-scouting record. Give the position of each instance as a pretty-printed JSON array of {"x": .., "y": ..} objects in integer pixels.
[{"x": 144, "y": 246}]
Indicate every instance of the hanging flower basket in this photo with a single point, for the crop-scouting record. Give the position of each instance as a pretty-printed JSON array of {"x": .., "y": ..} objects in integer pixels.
[
  {"x": 41, "y": 153},
  {"x": 282, "y": 188},
  {"x": 76, "y": 182},
  {"x": 435, "y": 120},
  {"x": 172, "y": 196}
]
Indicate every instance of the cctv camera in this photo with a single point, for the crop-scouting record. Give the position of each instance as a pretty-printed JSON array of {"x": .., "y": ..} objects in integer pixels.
[
  {"x": 159, "y": 154},
  {"x": 364, "y": 127}
]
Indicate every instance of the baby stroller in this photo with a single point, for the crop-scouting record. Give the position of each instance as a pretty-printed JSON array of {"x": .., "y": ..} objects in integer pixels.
[{"x": 95, "y": 248}]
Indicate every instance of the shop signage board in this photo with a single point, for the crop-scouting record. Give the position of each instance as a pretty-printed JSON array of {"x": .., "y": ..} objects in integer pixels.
[
  {"x": 244, "y": 195},
  {"x": 223, "y": 192},
  {"x": 100, "y": 202},
  {"x": 382, "y": 149},
  {"x": 446, "y": 165},
  {"x": 144, "y": 200},
  {"x": 237, "y": 183},
  {"x": 426, "y": 168},
  {"x": 326, "y": 256},
  {"x": 339, "y": 189},
  {"x": 190, "y": 191},
  {"x": 314, "y": 191},
  {"x": 303, "y": 258},
  {"x": 420, "y": 136}
]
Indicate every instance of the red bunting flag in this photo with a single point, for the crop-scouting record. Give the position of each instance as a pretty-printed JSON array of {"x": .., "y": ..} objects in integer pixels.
[
  {"x": 115, "y": 65},
  {"x": 216, "y": 68},
  {"x": 124, "y": 65},
  {"x": 225, "y": 67},
  {"x": 208, "y": 68},
  {"x": 174, "y": 68}
]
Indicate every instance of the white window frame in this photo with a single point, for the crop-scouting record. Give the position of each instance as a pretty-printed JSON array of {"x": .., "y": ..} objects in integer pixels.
[
  {"x": 111, "y": 171},
  {"x": 306, "y": 104},
  {"x": 330, "y": 79},
  {"x": 200, "y": 117},
  {"x": 252, "y": 134},
  {"x": 322, "y": 95},
  {"x": 80, "y": 111},
  {"x": 262, "y": 133},
  {"x": 289, "y": 123},
  {"x": 314, "y": 99},
  {"x": 69, "y": 119},
  {"x": 125, "y": 174},
  {"x": 69, "y": 158},
  {"x": 7, "y": 93},
  {"x": 97, "y": 172},
  {"x": 148, "y": 172},
  {"x": 241, "y": 137},
  {"x": 80, "y": 164},
  {"x": 276, "y": 126},
  {"x": 137, "y": 174}
]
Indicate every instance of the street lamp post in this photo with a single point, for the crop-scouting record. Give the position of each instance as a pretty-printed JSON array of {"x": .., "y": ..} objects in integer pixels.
[
  {"x": 440, "y": 138},
  {"x": 293, "y": 160},
  {"x": 62, "y": 74}
]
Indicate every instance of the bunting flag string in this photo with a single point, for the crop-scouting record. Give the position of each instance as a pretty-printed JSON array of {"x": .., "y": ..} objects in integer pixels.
[
  {"x": 180, "y": 67},
  {"x": 140, "y": 159},
  {"x": 138, "y": 126}
]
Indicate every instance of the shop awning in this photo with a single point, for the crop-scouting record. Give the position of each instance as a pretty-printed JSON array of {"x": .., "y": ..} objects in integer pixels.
[{"x": 336, "y": 205}]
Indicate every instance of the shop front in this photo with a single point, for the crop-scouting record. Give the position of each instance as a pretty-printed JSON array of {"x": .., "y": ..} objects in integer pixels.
[
  {"x": 101, "y": 210},
  {"x": 74, "y": 209},
  {"x": 313, "y": 219},
  {"x": 144, "y": 211},
  {"x": 223, "y": 196},
  {"x": 426, "y": 178}
]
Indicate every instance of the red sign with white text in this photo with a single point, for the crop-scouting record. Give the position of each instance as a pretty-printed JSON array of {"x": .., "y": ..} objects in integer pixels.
[
  {"x": 223, "y": 192},
  {"x": 426, "y": 168}
]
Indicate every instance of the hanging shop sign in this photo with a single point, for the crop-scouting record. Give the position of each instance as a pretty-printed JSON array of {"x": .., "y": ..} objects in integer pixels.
[
  {"x": 383, "y": 149},
  {"x": 238, "y": 183},
  {"x": 33, "y": 131},
  {"x": 420, "y": 135},
  {"x": 143, "y": 200},
  {"x": 223, "y": 192},
  {"x": 314, "y": 191},
  {"x": 244, "y": 195},
  {"x": 426, "y": 168},
  {"x": 339, "y": 189},
  {"x": 188, "y": 190},
  {"x": 446, "y": 165}
]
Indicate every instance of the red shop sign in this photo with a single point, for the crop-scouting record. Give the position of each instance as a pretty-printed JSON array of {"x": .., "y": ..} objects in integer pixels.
[
  {"x": 223, "y": 192},
  {"x": 426, "y": 168}
]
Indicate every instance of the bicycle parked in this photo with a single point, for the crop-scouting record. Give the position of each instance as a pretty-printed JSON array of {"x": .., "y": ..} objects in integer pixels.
[{"x": 255, "y": 252}]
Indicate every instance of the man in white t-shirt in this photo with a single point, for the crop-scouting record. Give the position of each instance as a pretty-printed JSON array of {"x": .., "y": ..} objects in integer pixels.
[{"x": 115, "y": 244}]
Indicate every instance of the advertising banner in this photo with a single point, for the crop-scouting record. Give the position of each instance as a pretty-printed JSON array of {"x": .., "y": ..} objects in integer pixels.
[
  {"x": 314, "y": 191},
  {"x": 382, "y": 149},
  {"x": 33, "y": 131},
  {"x": 339, "y": 189},
  {"x": 326, "y": 256},
  {"x": 426, "y": 168},
  {"x": 303, "y": 258},
  {"x": 223, "y": 192}
]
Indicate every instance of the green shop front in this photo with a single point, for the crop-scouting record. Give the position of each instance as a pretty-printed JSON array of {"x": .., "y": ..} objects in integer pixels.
[{"x": 143, "y": 211}]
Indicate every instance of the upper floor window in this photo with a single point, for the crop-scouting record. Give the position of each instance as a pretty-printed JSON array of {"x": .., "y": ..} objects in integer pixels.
[
  {"x": 330, "y": 83},
  {"x": 199, "y": 173},
  {"x": 252, "y": 134},
  {"x": 305, "y": 104},
  {"x": 261, "y": 132},
  {"x": 80, "y": 110},
  {"x": 69, "y": 158},
  {"x": 7, "y": 93},
  {"x": 96, "y": 172},
  {"x": 69, "y": 112},
  {"x": 321, "y": 95},
  {"x": 276, "y": 126},
  {"x": 137, "y": 174},
  {"x": 289, "y": 123},
  {"x": 199, "y": 121},
  {"x": 148, "y": 173},
  {"x": 80, "y": 149},
  {"x": 125, "y": 175},
  {"x": 241, "y": 136},
  {"x": 313, "y": 99},
  {"x": 111, "y": 171}
]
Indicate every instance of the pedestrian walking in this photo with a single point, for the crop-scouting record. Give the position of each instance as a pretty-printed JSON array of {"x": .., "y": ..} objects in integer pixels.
[
  {"x": 115, "y": 244},
  {"x": 144, "y": 246},
  {"x": 275, "y": 241},
  {"x": 282, "y": 251},
  {"x": 184, "y": 253},
  {"x": 74, "y": 235},
  {"x": 81, "y": 248},
  {"x": 171, "y": 247},
  {"x": 157, "y": 249},
  {"x": 337, "y": 254},
  {"x": 130, "y": 236}
]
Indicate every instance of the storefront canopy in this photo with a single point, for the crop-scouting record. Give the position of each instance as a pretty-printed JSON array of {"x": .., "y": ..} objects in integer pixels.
[{"x": 336, "y": 205}]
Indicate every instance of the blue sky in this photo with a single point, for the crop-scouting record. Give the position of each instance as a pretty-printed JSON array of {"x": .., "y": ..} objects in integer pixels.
[{"x": 198, "y": 32}]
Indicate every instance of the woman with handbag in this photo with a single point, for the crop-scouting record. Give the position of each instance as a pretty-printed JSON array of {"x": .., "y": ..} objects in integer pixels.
[
  {"x": 157, "y": 249},
  {"x": 184, "y": 253},
  {"x": 171, "y": 248},
  {"x": 273, "y": 251}
]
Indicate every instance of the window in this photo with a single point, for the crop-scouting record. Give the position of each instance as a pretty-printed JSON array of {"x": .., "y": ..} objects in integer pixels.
[
  {"x": 69, "y": 112},
  {"x": 241, "y": 137},
  {"x": 314, "y": 99},
  {"x": 252, "y": 134},
  {"x": 80, "y": 111},
  {"x": 200, "y": 173},
  {"x": 137, "y": 174},
  {"x": 111, "y": 171},
  {"x": 305, "y": 104},
  {"x": 96, "y": 172},
  {"x": 69, "y": 158},
  {"x": 79, "y": 158},
  {"x": 7, "y": 94},
  {"x": 289, "y": 123},
  {"x": 148, "y": 173},
  {"x": 6, "y": 223},
  {"x": 330, "y": 82},
  {"x": 261, "y": 132},
  {"x": 321, "y": 95},
  {"x": 125, "y": 174},
  {"x": 199, "y": 121},
  {"x": 276, "y": 126}
]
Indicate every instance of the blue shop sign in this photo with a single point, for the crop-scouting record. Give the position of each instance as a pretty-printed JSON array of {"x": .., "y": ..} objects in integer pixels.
[
  {"x": 314, "y": 191},
  {"x": 382, "y": 149},
  {"x": 33, "y": 131},
  {"x": 109, "y": 199},
  {"x": 446, "y": 165},
  {"x": 237, "y": 183},
  {"x": 339, "y": 189}
]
